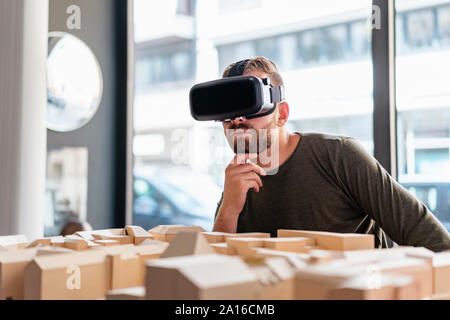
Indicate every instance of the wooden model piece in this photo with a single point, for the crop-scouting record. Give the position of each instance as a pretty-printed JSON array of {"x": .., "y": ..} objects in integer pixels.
[
  {"x": 245, "y": 245},
  {"x": 296, "y": 244},
  {"x": 297, "y": 260},
  {"x": 138, "y": 233},
  {"x": 334, "y": 241},
  {"x": 316, "y": 283},
  {"x": 441, "y": 273},
  {"x": 168, "y": 232},
  {"x": 146, "y": 252},
  {"x": 220, "y": 237},
  {"x": 57, "y": 241},
  {"x": 85, "y": 275},
  {"x": 223, "y": 248},
  {"x": 79, "y": 275},
  {"x": 76, "y": 243},
  {"x": 148, "y": 242},
  {"x": 418, "y": 268},
  {"x": 247, "y": 235},
  {"x": 319, "y": 256},
  {"x": 188, "y": 243},
  {"x": 389, "y": 288},
  {"x": 215, "y": 237},
  {"x": 89, "y": 235},
  {"x": 125, "y": 270},
  {"x": 107, "y": 243},
  {"x": 14, "y": 242},
  {"x": 45, "y": 251},
  {"x": 106, "y": 235},
  {"x": 197, "y": 277},
  {"x": 276, "y": 278},
  {"x": 12, "y": 265},
  {"x": 40, "y": 242},
  {"x": 133, "y": 293}
]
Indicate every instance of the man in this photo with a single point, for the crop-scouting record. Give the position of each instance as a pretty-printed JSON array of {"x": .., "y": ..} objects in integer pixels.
[{"x": 323, "y": 182}]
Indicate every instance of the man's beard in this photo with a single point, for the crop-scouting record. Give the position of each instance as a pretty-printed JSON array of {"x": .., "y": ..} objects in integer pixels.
[{"x": 259, "y": 141}]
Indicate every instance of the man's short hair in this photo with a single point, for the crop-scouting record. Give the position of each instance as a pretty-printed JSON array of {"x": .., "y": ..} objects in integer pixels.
[{"x": 260, "y": 64}]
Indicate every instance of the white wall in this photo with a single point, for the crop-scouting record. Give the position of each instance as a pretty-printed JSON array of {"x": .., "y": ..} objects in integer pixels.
[{"x": 23, "y": 53}]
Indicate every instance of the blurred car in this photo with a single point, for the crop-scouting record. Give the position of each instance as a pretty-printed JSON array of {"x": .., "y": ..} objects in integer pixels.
[{"x": 174, "y": 196}]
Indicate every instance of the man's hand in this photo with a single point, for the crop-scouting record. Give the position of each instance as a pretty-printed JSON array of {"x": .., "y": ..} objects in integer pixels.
[{"x": 240, "y": 176}]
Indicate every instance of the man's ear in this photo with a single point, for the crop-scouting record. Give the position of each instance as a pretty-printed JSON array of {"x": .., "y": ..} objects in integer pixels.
[{"x": 283, "y": 113}]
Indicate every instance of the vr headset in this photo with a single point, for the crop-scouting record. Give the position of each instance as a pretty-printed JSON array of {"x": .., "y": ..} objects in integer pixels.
[{"x": 234, "y": 97}]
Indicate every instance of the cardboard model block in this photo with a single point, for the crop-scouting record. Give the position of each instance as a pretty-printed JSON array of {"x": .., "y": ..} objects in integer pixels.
[
  {"x": 334, "y": 241},
  {"x": 281, "y": 233},
  {"x": 441, "y": 273},
  {"x": 75, "y": 243},
  {"x": 122, "y": 239},
  {"x": 298, "y": 260},
  {"x": 319, "y": 256},
  {"x": 372, "y": 255},
  {"x": 162, "y": 228},
  {"x": 167, "y": 232},
  {"x": 244, "y": 245},
  {"x": 246, "y": 242},
  {"x": 125, "y": 271},
  {"x": 133, "y": 293},
  {"x": 276, "y": 278},
  {"x": 388, "y": 288},
  {"x": 12, "y": 265},
  {"x": 149, "y": 252},
  {"x": 78, "y": 275},
  {"x": 444, "y": 296},
  {"x": 57, "y": 241},
  {"x": 312, "y": 248},
  {"x": 45, "y": 251},
  {"x": 138, "y": 233},
  {"x": 215, "y": 237},
  {"x": 188, "y": 243},
  {"x": 152, "y": 250},
  {"x": 107, "y": 242},
  {"x": 88, "y": 235},
  {"x": 418, "y": 268},
  {"x": 318, "y": 282},
  {"x": 147, "y": 242},
  {"x": 139, "y": 240},
  {"x": 296, "y": 244},
  {"x": 14, "y": 242},
  {"x": 223, "y": 248},
  {"x": 246, "y": 235},
  {"x": 196, "y": 278},
  {"x": 40, "y": 242}
]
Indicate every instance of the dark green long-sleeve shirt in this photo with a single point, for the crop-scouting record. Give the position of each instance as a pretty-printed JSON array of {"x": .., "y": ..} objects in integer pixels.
[{"x": 330, "y": 183}]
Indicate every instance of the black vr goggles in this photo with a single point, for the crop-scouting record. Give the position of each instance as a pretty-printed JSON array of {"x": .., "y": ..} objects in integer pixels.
[{"x": 234, "y": 97}]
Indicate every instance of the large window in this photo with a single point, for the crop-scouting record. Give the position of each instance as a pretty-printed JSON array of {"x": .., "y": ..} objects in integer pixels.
[
  {"x": 323, "y": 50},
  {"x": 423, "y": 102}
]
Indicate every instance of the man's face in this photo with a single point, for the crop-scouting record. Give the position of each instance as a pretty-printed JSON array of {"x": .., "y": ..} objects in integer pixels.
[{"x": 244, "y": 133}]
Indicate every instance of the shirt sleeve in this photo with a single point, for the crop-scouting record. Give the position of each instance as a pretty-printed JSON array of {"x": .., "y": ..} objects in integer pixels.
[{"x": 404, "y": 218}]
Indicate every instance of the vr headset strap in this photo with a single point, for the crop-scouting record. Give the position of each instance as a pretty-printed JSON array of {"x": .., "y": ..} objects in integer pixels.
[{"x": 277, "y": 94}]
